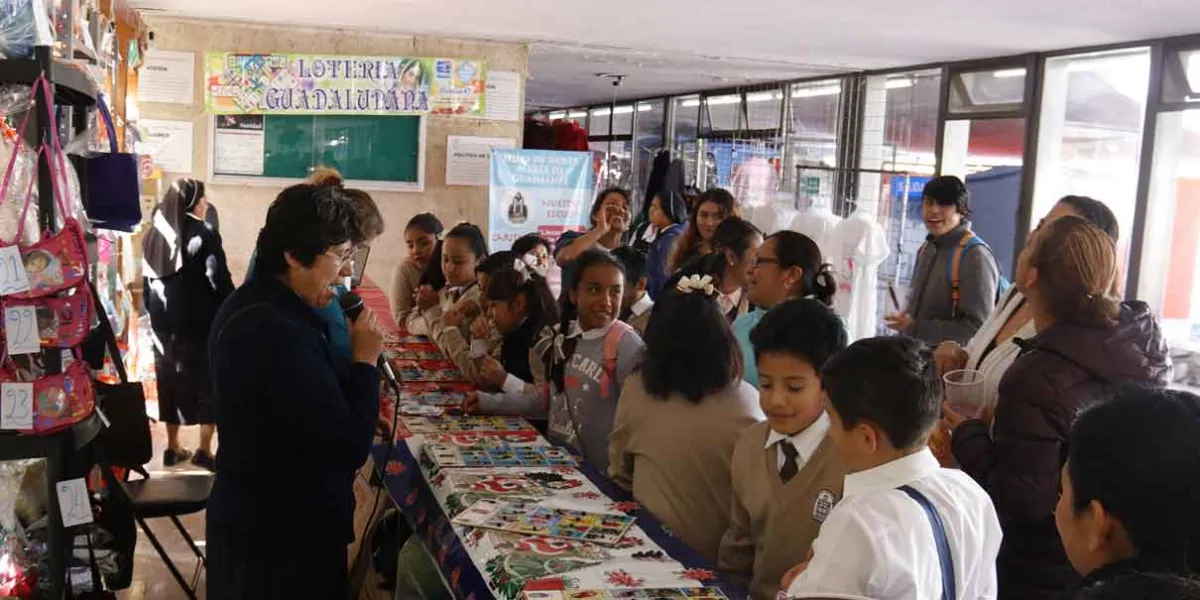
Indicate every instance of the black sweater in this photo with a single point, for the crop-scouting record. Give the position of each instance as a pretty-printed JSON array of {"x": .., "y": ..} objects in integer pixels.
[{"x": 293, "y": 430}]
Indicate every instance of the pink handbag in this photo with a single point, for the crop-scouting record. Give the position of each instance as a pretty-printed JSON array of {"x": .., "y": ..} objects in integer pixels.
[{"x": 60, "y": 401}]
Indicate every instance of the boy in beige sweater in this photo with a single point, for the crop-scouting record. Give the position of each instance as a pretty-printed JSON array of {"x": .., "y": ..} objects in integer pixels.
[{"x": 786, "y": 477}]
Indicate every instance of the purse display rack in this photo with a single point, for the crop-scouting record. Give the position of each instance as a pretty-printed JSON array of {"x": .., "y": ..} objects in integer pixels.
[{"x": 62, "y": 449}]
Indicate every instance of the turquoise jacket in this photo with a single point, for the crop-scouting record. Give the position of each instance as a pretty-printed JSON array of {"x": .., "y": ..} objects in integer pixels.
[
  {"x": 741, "y": 330},
  {"x": 335, "y": 321}
]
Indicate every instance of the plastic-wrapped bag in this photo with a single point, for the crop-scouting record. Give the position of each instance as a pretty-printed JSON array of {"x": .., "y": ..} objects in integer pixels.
[
  {"x": 23, "y": 25},
  {"x": 15, "y": 98},
  {"x": 13, "y": 201}
]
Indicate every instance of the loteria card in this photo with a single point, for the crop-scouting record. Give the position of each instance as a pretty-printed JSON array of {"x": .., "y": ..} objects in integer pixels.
[
  {"x": 449, "y": 394},
  {"x": 496, "y": 484},
  {"x": 486, "y": 438},
  {"x": 502, "y": 455},
  {"x": 415, "y": 352},
  {"x": 529, "y": 518},
  {"x": 426, "y": 370},
  {"x": 465, "y": 424},
  {"x": 700, "y": 593}
]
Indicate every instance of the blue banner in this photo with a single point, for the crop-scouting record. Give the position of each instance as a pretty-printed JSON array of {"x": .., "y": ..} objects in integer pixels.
[{"x": 540, "y": 191}]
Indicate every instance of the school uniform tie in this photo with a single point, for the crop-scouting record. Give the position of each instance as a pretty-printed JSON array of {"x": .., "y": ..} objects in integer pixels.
[{"x": 790, "y": 466}]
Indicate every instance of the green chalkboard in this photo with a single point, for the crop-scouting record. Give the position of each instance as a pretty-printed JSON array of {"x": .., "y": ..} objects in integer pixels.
[{"x": 384, "y": 149}]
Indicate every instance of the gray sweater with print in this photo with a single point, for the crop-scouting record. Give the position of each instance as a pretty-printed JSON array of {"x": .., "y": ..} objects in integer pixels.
[
  {"x": 929, "y": 300},
  {"x": 589, "y": 410}
]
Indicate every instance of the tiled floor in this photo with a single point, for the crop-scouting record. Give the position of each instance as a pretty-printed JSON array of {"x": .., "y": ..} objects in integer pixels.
[{"x": 151, "y": 579}]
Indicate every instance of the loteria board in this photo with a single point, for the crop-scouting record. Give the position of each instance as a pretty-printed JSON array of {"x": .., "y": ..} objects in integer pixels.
[
  {"x": 497, "y": 455},
  {"x": 526, "y": 518},
  {"x": 465, "y": 424},
  {"x": 426, "y": 370},
  {"x": 487, "y": 438},
  {"x": 415, "y": 352},
  {"x": 700, "y": 593},
  {"x": 445, "y": 394}
]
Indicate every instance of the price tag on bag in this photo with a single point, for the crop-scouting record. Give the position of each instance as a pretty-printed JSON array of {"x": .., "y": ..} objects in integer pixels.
[
  {"x": 21, "y": 330},
  {"x": 13, "y": 278},
  {"x": 73, "y": 503},
  {"x": 16, "y": 406}
]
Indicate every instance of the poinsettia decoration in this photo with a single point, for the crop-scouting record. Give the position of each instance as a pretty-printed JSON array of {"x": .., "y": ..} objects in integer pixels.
[
  {"x": 630, "y": 541},
  {"x": 395, "y": 467},
  {"x": 697, "y": 574},
  {"x": 411, "y": 498},
  {"x": 540, "y": 545},
  {"x": 622, "y": 578}
]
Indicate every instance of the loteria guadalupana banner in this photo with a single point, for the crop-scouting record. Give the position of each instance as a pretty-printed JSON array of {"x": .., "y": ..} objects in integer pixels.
[{"x": 320, "y": 84}]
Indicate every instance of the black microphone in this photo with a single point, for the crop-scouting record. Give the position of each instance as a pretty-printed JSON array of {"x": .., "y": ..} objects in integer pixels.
[{"x": 352, "y": 305}]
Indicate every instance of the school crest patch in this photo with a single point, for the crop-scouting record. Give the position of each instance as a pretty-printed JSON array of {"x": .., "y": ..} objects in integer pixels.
[{"x": 824, "y": 504}]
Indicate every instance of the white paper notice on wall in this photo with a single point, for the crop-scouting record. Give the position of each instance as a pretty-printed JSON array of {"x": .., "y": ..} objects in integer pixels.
[
  {"x": 16, "y": 406},
  {"x": 21, "y": 330},
  {"x": 168, "y": 77},
  {"x": 238, "y": 145},
  {"x": 503, "y": 98},
  {"x": 169, "y": 143},
  {"x": 468, "y": 159},
  {"x": 73, "y": 502}
]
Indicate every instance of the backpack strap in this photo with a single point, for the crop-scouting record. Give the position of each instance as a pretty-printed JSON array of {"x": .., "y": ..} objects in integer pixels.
[
  {"x": 968, "y": 241},
  {"x": 612, "y": 341},
  {"x": 940, "y": 539}
]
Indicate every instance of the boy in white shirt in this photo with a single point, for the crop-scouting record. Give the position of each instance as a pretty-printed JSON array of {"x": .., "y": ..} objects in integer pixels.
[{"x": 884, "y": 540}]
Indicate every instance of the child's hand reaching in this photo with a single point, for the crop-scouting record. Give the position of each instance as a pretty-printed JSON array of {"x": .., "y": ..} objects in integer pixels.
[
  {"x": 481, "y": 329},
  {"x": 453, "y": 317},
  {"x": 471, "y": 403}
]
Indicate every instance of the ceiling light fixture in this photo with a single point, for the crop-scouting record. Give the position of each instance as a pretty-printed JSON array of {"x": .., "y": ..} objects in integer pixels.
[
  {"x": 1008, "y": 73},
  {"x": 812, "y": 92},
  {"x": 897, "y": 84}
]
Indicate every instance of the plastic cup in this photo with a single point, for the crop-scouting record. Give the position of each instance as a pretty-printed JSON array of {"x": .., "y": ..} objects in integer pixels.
[{"x": 964, "y": 391}]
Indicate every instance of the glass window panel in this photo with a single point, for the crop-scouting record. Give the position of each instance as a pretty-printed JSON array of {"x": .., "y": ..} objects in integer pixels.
[
  {"x": 617, "y": 168},
  {"x": 988, "y": 91},
  {"x": 648, "y": 141},
  {"x": 622, "y": 121},
  {"x": 687, "y": 129},
  {"x": 1170, "y": 271},
  {"x": 578, "y": 116},
  {"x": 814, "y": 127},
  {"x": 764, "y": 109},
  {"x": 1181, "y": 76},
  {"x": 724, "y": 113},
  {"x": 1090, "y": 132}
]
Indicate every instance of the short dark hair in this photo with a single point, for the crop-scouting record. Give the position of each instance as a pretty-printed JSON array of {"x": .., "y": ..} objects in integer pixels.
[
  {"x": 801, "y": 328},
  {"x": 673, "y": 205},
  {"x": 473, "y": 236},
  {"x": 949, "y": 190},
  {"x": 1096, "y": 212},
  {"x": 1136, "y": 453},
  {"x": 634, "y": 261},
  {"x": 734, "y": 234},
  {"x": 526, "y": 243},
  {"x": 425, "y": 223},
  {"x": 304, "y": 221},
  {"x": 367, "y": 219},
  {"x": 890, "y": 382},
  {"x": 794, "y": 249},
  {"x": 600, "y": 201},
  {"x": 495, "y": 261},
  {"x": 690, "y": 349}
]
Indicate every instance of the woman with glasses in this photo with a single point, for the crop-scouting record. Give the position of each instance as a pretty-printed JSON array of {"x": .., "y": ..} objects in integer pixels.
[
  {"x": 368, "y": 225},
  {"x": 788, "y": 265},
  {"x": 185, "y": 280}
]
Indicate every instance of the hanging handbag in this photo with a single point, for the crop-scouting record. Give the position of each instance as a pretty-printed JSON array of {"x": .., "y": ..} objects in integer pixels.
[
  {"x": 111, "y": 195},
  {"x": 62, "y": 321},
  {"x": 62, "y": 400},
  {"x": 126, "y": 441}
]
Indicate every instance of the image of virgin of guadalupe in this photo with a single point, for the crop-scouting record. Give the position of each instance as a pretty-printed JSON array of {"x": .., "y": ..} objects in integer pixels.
[
  {"x": 518, "y": 211},
  {"x": 413, "y": 75}
]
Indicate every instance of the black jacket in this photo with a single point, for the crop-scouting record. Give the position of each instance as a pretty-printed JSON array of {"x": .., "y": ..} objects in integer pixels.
[
  {"x": 1019, "y": 464},
  {"x": 293, "y": 432},
  {"x": 1136, "y": 580}
]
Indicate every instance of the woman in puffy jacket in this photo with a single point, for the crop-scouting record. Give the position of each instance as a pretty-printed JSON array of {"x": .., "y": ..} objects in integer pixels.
[{"x": 1087, "y": 340}]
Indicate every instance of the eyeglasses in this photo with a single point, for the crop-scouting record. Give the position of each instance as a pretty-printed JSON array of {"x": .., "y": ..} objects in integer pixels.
[
  {"x": 765, "y": 260},
  {"x": 342, "y": 257}
]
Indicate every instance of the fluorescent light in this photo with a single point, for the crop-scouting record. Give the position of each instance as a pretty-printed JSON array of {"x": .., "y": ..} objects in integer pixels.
[
  {"x": 693, "y": 103},
  {"x": 763, "y": 96},
  {"x": 645, "y": 107},
  {"x": 896, "y": 84},
  {"x": 812, "y": 92},
  {"x": 1008, "y": 73},
  {"x": 577, "y": 114},
  {"x": 621, "y": 110},
  {"x": 721, "y": 100},
  {"x": 554, "y": 116}
]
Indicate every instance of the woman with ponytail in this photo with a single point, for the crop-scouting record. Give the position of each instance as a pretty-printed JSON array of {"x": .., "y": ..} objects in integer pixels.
[
  {"x": 734, "y": 245},
  {"x": 788, "y": 265}
]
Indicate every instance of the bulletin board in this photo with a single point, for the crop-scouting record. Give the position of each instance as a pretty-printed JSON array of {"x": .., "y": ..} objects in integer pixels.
[{"x": 373, "y": 152}]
